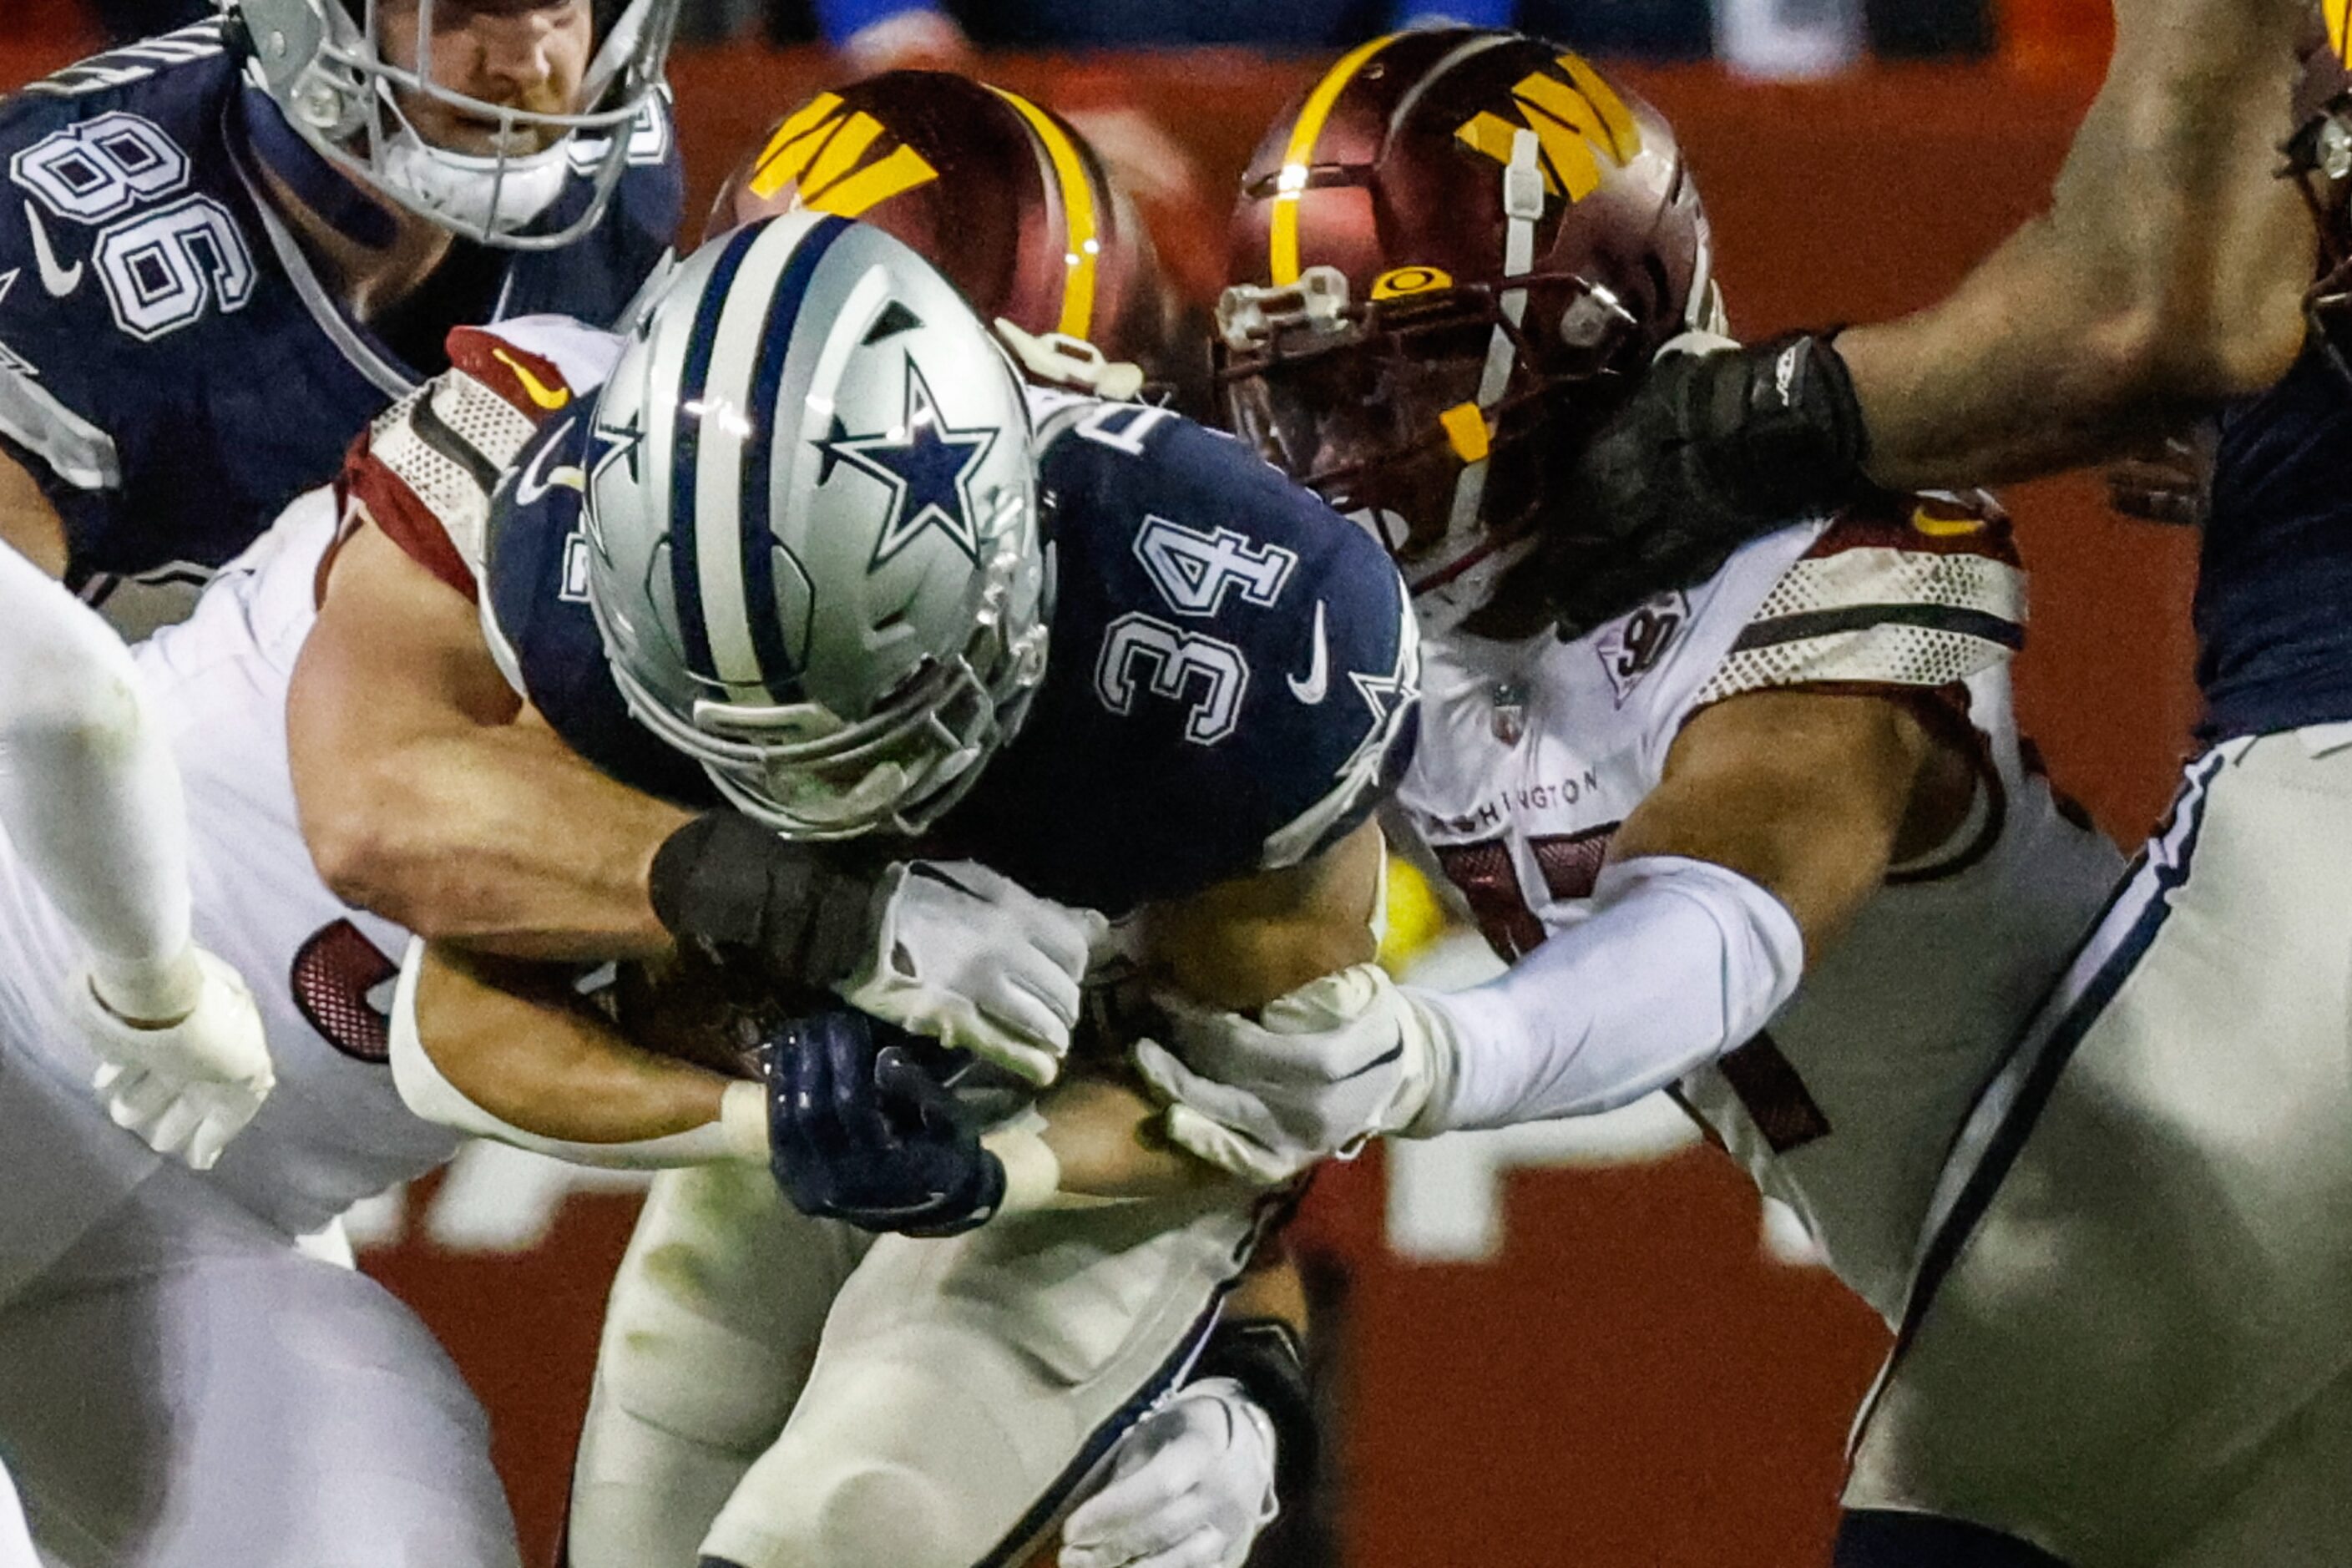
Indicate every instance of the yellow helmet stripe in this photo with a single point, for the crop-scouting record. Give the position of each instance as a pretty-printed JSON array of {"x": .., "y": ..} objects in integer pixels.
[
  {"x": 1625, "y": 131},
  {"x": 853, "y": 195},
  {"x": 793, "y": 145},
  {"x": 1298, "y": 157},
  {"x": 2339, "y": 26},
  {"x": 1078, "y": 211}
]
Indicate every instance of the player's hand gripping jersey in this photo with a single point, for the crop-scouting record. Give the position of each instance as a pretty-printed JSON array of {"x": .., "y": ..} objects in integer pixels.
[
  {"x": 1845, "y": 1108},
  {"x": 1231, "y": 669},
  {"x": 172, "y": 368}
]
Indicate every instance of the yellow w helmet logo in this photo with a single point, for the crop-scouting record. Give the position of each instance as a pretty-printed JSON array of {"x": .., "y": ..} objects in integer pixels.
[
  {"x": 1579, "y": 121},
  {"x": 825, "y": 152}
]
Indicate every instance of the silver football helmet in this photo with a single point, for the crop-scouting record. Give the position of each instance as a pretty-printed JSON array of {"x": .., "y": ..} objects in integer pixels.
[
  {"x": 813, "y": 550},
  {"x": 325, "y": 64}
]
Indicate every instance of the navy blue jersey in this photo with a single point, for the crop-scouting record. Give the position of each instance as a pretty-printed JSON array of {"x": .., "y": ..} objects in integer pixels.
[
  {"x": 1230, "y": 681},
  {"x": 2273, "y": 606},
  {"x": 171, "y": 370}
]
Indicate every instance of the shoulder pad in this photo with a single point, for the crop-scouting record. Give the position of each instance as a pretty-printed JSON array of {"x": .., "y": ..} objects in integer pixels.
[
  {"x": 426, "y": 468},
  {"x": 1916, "y": 590}
]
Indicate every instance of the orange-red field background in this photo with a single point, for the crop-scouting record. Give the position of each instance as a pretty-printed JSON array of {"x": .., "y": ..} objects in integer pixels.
[{"x": 1629, "y": 1382}]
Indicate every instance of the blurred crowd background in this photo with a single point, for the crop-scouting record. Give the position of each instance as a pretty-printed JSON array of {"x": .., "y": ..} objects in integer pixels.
[{"x": 1761, "y": 37}]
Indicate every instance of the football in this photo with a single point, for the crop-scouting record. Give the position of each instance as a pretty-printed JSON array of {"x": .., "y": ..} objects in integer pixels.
[{"x": 691, "y": 1008}]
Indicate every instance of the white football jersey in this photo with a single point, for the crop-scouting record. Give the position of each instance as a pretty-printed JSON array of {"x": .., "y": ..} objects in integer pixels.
[
  {"x": 1532, "y": 754},
  {"x": 334, "y": 1131}
]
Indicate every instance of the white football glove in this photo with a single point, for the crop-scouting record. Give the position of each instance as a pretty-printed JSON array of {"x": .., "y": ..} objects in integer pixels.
[
  {"x": 1191, "y": 1485},
  {"x": 187, "y": 1088},
  {"x": 976, "y": 962},
  {"x": 1328, "y": 1067}
]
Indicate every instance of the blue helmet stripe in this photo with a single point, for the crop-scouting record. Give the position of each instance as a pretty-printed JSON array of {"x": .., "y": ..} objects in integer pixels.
[
  {"x": 778, "y": 671},
  {"x": 686, "y": 455}
]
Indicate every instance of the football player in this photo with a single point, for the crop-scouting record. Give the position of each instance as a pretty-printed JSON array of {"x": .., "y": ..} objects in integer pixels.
[
  {"x": 95, "y": 826},
  {"x": 2171, "y": 1365},
  {"x": 1772, "y": 843},
  {"x": 1110, "y": 736},
  {"x": 224, "y": 250}
]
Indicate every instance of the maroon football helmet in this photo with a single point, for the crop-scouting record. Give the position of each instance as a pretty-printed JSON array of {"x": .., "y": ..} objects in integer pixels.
[
  {"x": 1450, "y": 258},
  {"x": 1000, "y": 195},
  {"x": 2319, "y": 158}
]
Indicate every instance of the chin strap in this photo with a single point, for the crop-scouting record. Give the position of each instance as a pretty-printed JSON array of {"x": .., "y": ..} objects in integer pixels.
[{"x": 1465, "y": 424}]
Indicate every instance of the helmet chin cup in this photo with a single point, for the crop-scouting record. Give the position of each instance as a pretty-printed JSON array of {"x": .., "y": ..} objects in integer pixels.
[{"x": 484, "y": 195}]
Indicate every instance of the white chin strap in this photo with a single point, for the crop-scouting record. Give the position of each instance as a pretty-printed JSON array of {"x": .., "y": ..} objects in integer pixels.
[
  {"x": 494, "y": 193},
  {"x": 1523, "y": 195}
]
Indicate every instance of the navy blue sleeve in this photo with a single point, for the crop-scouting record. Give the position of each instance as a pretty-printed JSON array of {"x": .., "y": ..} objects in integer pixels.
[{"x": 1231, "y": 680}]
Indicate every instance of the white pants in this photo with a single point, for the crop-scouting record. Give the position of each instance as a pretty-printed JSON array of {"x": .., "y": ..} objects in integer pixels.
[
  {"x": 774, "y": 1392},
  {"x": 183, "y": 1388},
  {"x": 16, "y": 1539},
  {"x": 2131, "y": 1341}
]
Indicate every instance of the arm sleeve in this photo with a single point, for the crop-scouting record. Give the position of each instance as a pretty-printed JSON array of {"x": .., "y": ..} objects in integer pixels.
[
  {"x": 90, "y": 795},
  {"x": 1679, "y": 963}
]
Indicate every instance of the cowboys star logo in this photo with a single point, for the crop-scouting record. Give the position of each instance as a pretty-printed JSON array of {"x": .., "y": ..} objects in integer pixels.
[{"x": 926, "y": 463}]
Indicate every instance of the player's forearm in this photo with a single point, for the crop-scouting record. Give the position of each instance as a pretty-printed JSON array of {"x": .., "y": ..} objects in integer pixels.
[
  {"x": 29, "y": 523},
  {"x": 496, "y": 837},
  {"x": 1241, "y": 944},
  {"x": 90, "y": 795},
  {"x": 1679, "y": 963},
  {"x": 2165, "y": 275},
  {"x": 506, "y": 1050},
  {"x": 1236, "y": 946}
]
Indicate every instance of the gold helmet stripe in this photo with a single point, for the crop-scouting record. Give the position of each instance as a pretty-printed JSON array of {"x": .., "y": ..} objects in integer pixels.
[
  {"x": 2339, "y": 26},
  {"x": 1299, "y": 156},
  {"x": 1078, "y": 212},
  {"x": 1624, "y": 132},
  {"x": 795, "y": 142}
]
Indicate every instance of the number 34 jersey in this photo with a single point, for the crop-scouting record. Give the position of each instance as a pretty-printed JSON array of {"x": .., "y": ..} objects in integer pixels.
[
  {"x": 1531, "y": 757},
  {"x": 1231, "y": 672}
]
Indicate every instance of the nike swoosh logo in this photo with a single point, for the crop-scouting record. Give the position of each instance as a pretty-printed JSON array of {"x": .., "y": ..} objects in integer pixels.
[
  {"x": 1318, "y": 666},
  {"x": 58, "y": 280},
  {"x": 547, "y": 397},
  {"x": 536, "y": 481},
  {"x": 1386, "y": 1057}
]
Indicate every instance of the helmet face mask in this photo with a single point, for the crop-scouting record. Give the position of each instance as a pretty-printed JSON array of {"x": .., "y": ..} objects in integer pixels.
[
  {"x": 1458, "y": 252},
  {"x": 357, "y": 79},
  {"x": 813, "y": 551},
  {"x": 1371, "y": 406}
]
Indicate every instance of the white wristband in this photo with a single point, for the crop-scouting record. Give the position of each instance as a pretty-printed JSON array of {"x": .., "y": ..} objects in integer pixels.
[{"x": 1678, "y": 963}]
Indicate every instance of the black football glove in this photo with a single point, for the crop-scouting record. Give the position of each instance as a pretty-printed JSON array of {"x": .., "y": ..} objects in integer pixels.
[
  {"x": 1712, "y": 450},
  {"x": 862, "y": 1127}
]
